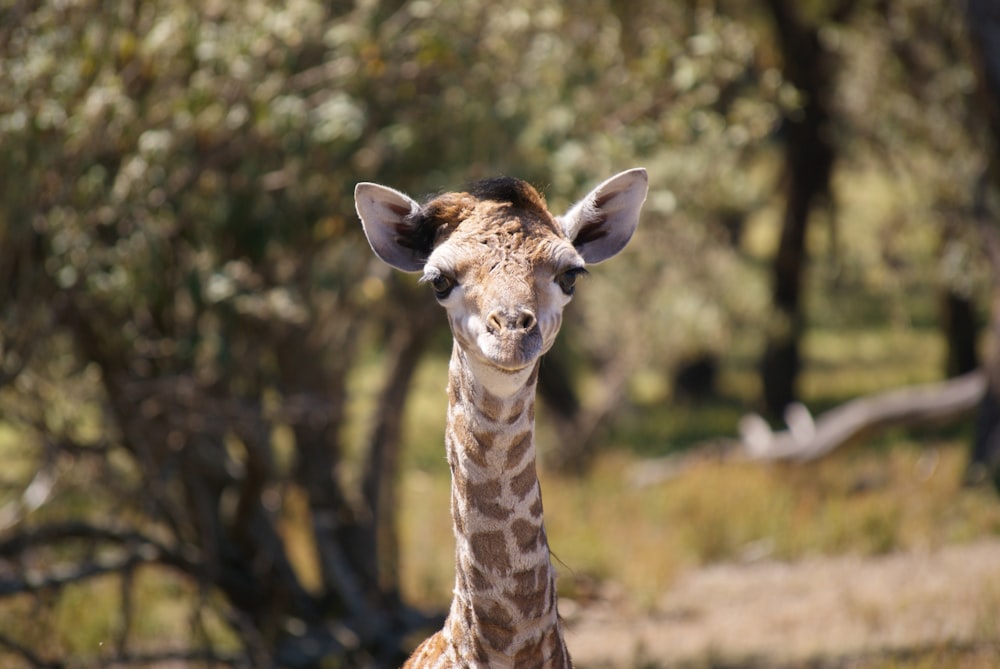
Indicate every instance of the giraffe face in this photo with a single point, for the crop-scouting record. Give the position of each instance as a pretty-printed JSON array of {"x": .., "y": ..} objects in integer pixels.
[
  {"x": 504, "y": 275},
  {"x": 498, "y": 261}
]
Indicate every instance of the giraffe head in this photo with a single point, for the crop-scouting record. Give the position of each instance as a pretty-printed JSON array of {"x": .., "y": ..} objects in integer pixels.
[{"x": 501, "y": 265}]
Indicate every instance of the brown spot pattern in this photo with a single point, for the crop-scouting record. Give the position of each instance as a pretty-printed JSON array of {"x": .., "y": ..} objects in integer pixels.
[
  {"x": 536, "y": 508},
  {"x": 471, "y": 444},
  {"x": 490, "y": 406},
  {"x": 526, "y": 535},
  {"x": 495, "y": 625},
  {"x": 516, "y": 411},
  {"x": 480, "y": 580},
  {"x": 524, "y": 481},
  {"x": 457, "y": 521},
  {"x": 490, "y": 550},
  {"x": 518, "y": 448},
  {"x": 485, "y": 498},
  {"x": 529, "y": 593},
  {"x": 531, "y": 655}
]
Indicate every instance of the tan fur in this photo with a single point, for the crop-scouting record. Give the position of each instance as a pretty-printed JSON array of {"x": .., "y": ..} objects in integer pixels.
[
  {"x": 498, "y": 261},
  {"x": 504, "y": 611}
]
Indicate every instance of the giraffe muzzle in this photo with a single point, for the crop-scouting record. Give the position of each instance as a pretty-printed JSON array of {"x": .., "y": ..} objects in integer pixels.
[
  {"x": 506, "y": 320},
  {"x": 512, "y": 344}
]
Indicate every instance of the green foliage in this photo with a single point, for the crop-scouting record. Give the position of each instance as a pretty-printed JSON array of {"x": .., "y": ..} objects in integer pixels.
[{"x": 189, "y": 310}]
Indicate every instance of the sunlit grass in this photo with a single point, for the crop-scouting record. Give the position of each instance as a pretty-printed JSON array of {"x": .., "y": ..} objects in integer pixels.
[{"x": 603, "y": 529}]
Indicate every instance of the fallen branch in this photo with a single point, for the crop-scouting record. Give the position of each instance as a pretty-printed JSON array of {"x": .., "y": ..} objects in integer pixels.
[{"x": 809, "y": 438}]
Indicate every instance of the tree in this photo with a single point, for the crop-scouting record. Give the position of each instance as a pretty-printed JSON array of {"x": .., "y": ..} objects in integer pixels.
[
  {"x": 809, "y": 159},
  {"x": 984, "y": 28},
  {"x": 186, "y": 284},
  {"x": 188, "y": 296}
]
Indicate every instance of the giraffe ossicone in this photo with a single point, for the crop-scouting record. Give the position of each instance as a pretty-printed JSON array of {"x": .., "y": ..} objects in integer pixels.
[{"x": 504, "y": 268}]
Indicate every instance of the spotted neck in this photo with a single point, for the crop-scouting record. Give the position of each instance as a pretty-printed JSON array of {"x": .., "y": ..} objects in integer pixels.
[{"x": 504, "y": 610}]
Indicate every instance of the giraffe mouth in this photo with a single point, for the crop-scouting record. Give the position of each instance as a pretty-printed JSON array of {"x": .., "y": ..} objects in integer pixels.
[
  {"x": 511, "y": 370},
  {"x": 510, "y": 352}
]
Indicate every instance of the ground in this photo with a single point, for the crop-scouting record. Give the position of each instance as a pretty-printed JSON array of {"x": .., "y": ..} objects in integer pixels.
[{"x": 822, "y": 611}]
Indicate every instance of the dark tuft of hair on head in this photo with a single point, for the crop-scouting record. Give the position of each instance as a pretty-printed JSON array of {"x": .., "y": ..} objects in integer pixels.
[{"x": 508, "y": 190}]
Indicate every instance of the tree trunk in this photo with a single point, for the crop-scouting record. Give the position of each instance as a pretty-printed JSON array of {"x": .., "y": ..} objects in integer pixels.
[
  {"x": 983, "y": 18},
  {"x": 381, "y": 473},
  {"x": 809, "y": 156},
  {"x": 961, "y": 334}
]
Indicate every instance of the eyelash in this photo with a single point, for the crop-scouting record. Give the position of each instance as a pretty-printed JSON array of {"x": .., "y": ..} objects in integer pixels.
[
  {"x": 567, "y": 280},
  {"x": 442, "y": 284}
]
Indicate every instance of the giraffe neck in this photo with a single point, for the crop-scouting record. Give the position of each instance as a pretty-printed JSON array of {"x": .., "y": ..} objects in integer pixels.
[{"x": 504, "y": 610}]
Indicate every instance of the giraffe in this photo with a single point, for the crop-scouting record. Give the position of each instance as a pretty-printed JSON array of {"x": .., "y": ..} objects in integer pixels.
[{"x": 504, "y": 268}]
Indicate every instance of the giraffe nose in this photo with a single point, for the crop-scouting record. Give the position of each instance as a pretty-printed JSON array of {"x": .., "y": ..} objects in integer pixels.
[{"x": 510, "y": 319}]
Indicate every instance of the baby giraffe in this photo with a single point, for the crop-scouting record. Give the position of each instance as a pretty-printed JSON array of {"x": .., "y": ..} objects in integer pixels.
[{"x": 504, "y": 268}]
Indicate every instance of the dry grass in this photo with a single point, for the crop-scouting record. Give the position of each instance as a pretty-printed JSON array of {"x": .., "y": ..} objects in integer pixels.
[{"x": 601, "y": 528}]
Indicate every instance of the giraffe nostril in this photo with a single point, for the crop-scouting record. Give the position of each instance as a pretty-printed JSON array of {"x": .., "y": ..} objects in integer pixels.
[{"x": 513, "y": 319}]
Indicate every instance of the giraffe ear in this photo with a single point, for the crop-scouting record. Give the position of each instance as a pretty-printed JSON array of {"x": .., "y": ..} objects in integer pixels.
[
  {"x": 601, "y": 224},
  {"x": 391, "y": 224}
]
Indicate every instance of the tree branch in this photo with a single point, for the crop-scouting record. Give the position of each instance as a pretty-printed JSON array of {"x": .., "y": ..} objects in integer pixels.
[
  {"x": 74, "y": 530},
  {"x": 808, "y": 439},
  {"x": 61, "y": 577}
]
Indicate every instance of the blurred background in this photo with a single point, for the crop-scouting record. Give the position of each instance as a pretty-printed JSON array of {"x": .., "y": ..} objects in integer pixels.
[{"x": 221, "y": 417}]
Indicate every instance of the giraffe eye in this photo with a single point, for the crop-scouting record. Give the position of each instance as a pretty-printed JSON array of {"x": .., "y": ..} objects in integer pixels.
[
  {"x": 442, "y": 285},
  {"x": 567, "y": 280}
]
